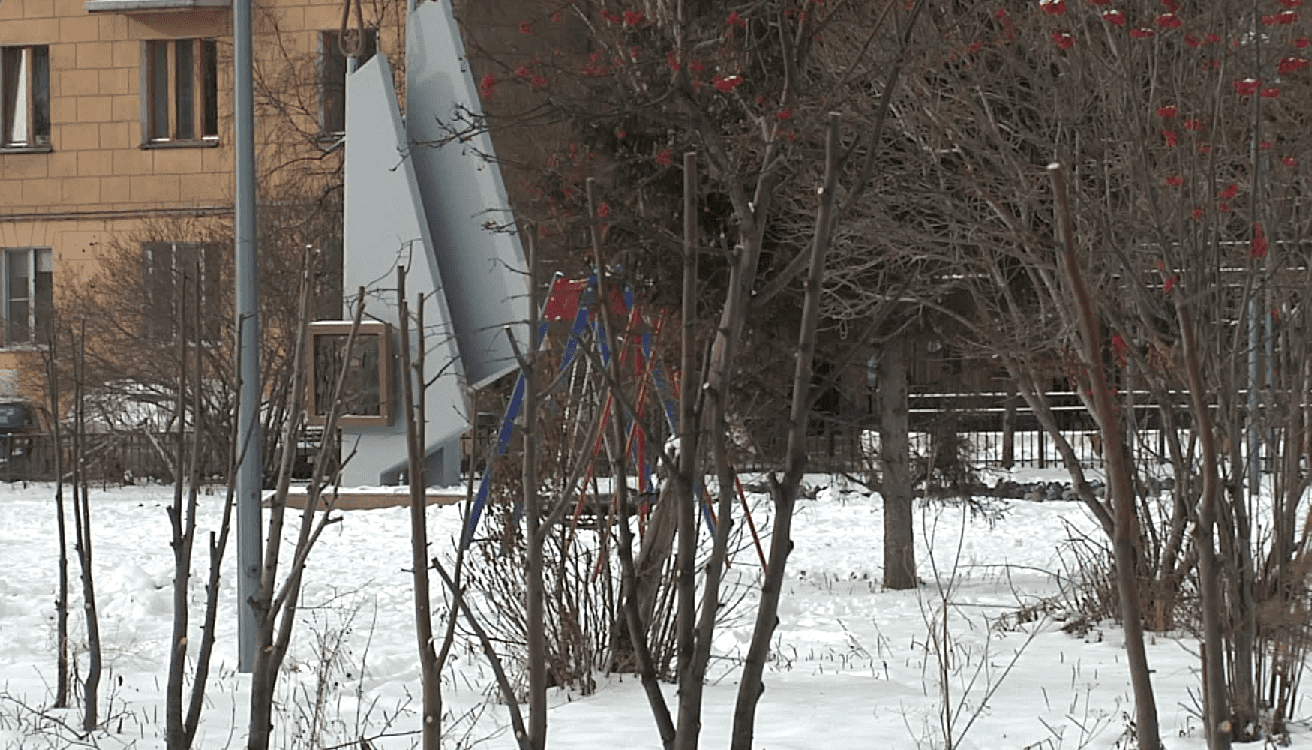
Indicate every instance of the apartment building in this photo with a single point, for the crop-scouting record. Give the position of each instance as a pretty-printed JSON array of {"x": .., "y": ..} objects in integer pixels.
[{"x": 116, "y": 124}]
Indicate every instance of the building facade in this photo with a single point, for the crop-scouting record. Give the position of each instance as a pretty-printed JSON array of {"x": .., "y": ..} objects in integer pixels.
[{"x": 116, "y": 138}]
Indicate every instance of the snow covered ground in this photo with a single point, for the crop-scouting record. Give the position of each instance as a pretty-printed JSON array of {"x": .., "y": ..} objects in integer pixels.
[{"x": 852, "y": 667}]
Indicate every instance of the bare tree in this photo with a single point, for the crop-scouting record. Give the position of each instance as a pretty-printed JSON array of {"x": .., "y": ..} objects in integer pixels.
[
  {"x": 182, "y": 712},
  {"x": 182, "y": 514},
  {"x": 83, "y": 528},
  {"x": 53, "y": 390},
  {"x": 1119, "y": 480},
  {"x": 534, "y": 533},
  {"x": 412, "y": 396},
  {"x": 279, "y": 597},
  {"x": 1182, "y": 198},
  {"x": 616, "y": 446},
  {"x": 785, "y": 490}
]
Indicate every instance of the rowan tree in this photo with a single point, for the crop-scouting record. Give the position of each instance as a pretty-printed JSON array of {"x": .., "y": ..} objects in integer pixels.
[
  {"x": 1180, "y": 127},
  {"x": 634, "y": 88}
]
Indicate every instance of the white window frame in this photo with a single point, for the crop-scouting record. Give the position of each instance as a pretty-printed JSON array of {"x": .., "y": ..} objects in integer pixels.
[
  {"x": 34, "y": 292},
  {"x": 25, "y": 98},
  {"x": 165, "y": 118}
]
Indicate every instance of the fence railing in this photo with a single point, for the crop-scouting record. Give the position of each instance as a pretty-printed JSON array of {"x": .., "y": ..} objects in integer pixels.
[
  {"x": 117, "y": 456},
  {"x": 854, "y": 452},
  {"x": 975, "y": 423}
]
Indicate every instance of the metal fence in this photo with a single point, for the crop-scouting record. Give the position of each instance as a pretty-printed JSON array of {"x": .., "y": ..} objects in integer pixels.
[
  {"x": 974, "y": 422},
  {"x": 833, "y": 445},
  {"x": 854, "y": 452},
  {"x": 114, "y": 457}
]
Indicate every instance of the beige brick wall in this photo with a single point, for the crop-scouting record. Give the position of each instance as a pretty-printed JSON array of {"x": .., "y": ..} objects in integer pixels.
[
  {"x": 97, "y": 185},
  {"x": 39, "y": 9},
  {"x": 98, "y": 163},
  {"x": 96, "y": 106}
]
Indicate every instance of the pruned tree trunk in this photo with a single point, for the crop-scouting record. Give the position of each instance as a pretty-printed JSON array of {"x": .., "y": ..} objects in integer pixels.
[
  {"x": 535, "y": 530},
  {"x": 61, "y": 525},
  {"x": 784, "y": 492},
  {"x": 895, "y": 460},
  {"x": 182, "y": 522},
  {"x": 275, "y": 607},
  {"x": 691, "y": 680},
  {"x": 412, "y": 397},
  {"x": 217, "y": 542},
  {"x": 82, "y": 525}
]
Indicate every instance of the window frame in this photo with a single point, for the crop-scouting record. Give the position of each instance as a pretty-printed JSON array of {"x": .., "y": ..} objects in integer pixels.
[
  {"x": 33, "y": 83},
  {"x": 331, "y": 63},
  {"x": 161, "y": 289},
  {"x": 131, "y": 7},
  {"x": 377, "y": 336},
  {"x": 163, "y": 115},
  {"x": 39, "y": 299}
]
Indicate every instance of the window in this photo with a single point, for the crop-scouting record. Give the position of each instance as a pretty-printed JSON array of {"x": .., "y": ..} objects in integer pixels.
[
  {"x": 175, "y": 273},
  {"x": 29, "y": 298},
  {"x": 25, "y": 107},
  {"x": 366, "y": 396},
  {"x": 180, "y": 87},
  {"x": 332, "y": 78}
]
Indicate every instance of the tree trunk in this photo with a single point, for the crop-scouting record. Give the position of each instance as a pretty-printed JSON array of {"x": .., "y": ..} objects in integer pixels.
[
  {"x": 180, "y": 521},
  {"x": 261, "y": 721},
  {"x": 217, "y": 543},
  {"x": 535, "y": 536},
  {"x": 615, "y": 446},
  {"x": 894, "y": 457},
  {"x": 691, "y": 680},
  {"x": 655, "y": 549},
  {"x": 686, "y": 499},
  {"x": 412, "y": 400},
  {"x": 275, "y": 614},
  {"x": 1118, "y": 481},
  {"x": 1214, "y": 691},
  {"x": 1009, "y": 429},
  {"x": 61, "y": 526},
  {"x": 82, "y": 524},
  {"x": 752, "y": 685}
]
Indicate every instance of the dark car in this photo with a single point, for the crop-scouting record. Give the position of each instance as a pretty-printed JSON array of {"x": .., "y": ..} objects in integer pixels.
[{"x": 19, "y": 431}]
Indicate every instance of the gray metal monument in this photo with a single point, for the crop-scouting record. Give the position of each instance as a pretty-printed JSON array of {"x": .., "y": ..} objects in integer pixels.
[{"x": 413, "y": 200}]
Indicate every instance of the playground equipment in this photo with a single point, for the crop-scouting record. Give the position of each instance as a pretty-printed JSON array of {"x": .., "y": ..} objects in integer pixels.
[
  {"x": 573, "y": 302},
  {"x": 653, "y": 388}
]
